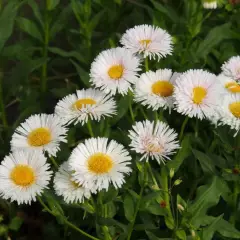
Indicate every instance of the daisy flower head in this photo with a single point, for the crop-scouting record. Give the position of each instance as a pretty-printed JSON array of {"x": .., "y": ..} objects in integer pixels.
[
  {"x": 114, "y": 70},
  {"x": 98, "y": 162},
  {"x": 41, "y": 132},
  {"x": 154, "y": 140},
  {"x": 85, "y": 104},
  {"x": 231, "y": 68},
  {"x": 210, "y": 4},
  {"x": 230, "y": 86},
  {"x": 155, "y": 89},
  {"x": 65, "y": 186},
  {"x": 197, "y": 94},
  {"x": 151, "y": 41},
  {"x": 230, "y": 111},
  {"x": 23, "y": 176}
]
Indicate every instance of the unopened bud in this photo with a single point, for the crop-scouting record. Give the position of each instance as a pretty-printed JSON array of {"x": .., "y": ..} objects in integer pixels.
[
  {"x": 193, "y": 233},
  {"x": 177, "y": 182},
  {"x": 171, "y": 174},
  {"x": 155, "y": 187},
  {"x": 180, "y": 207}
]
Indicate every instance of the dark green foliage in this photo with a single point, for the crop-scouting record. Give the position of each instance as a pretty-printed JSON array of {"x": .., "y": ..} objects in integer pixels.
[{"x": 46, "y": 49}]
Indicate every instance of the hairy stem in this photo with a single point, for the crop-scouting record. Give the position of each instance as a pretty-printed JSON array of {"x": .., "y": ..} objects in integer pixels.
[
  {"x": 138, "y": 204},
  {"x": 183, "y": 127},
  {"x": 146, "y": 64},
  {"x": 90, "y": 130},
  {"x": 65, "y": 220}
]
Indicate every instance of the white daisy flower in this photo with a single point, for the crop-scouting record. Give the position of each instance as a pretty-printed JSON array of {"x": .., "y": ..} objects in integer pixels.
[
  {"x": 149, "y": 40},
  {"x": 154, "y": 140},
  {"x": 210, "y": 4},
  {"x": 197, "y": 94},
  {"x": 23, "y": 176},
  {"x": 97, "y": 163},
  {"x": 85, "y": 104},
  {"x": 229, "y": 85},
  {"x": 231, "y": 68},
  {"x": 155, "y": 89},
  {"x": 41, "y": 132},
  {"x": 66, "y": 187},
  {"x": 230, "y": 111},
  {"x": 114, "y": 70}
]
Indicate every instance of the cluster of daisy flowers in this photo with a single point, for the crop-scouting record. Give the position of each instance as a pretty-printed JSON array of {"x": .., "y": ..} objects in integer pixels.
[{"x": 96, "y": 163}]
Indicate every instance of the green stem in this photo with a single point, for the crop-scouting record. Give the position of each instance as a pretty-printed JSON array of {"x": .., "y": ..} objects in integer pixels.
[
  {"x": 196, "y": 128},
  {"x": 138, "y": 204},
  {"x": 136, "y": 212},
  {"x": 101, "y": 211},
  {"x": 45, "y": 50},
  {"x": 146, "y": 64},
  {"x": 165, "y": 187},
  {"x": 54, "y": 162},
  {"x": 89, "y": 126},
  {"x": 183, "y": 127},
  {"x": 65, "y": 220},
  {"x": 152, "y": 175},
  {"x": 234, "y": 203},
  {"x": 161, "y": 117},
  {"x": 3, "y": 112},
  {"x": 143, "y": 113},
  {"x": 156, "y": 116},
  {"x": 130, "y": 108}
]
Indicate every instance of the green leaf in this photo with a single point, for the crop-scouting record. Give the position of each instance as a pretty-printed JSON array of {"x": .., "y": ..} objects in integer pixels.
[
  {"x": 29, "y": 27},
  {"x": 155, "y": 209},
  {"x": 214, "y": 37},
  {"x": 7, "y": 19},
  {"x": 129, "y": 207},
  {"x": 166, "y": 10},
  {"x": 51, "y": 4},
  {"x": 84, "y": 76},
  {"x": 182, "y": 154},
  {"x": 181, "y": 234},
  {"x": 36, "y": 11},
  {"x": 61, "y": 21},
  {"x": 151, "y": 236},
  {"x": 226, "y": 229},
  {"x": 109, "y": 195},
  {"x": 210, "y": 230},
  {"x": 112, "y": 222},
  {"x": 15, "y": 223},
  {"x": 67, "y": 54},
  {"x": 207, "y": 196},
  {"x": 122, "y": 109},
  {"x": 205, "y": 162}
]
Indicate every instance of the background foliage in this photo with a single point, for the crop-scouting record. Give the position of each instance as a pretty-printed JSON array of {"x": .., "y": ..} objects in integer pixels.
[{"x": 46, "y": 48}]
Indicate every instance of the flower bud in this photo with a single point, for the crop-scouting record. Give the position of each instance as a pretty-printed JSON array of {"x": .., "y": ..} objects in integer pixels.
[
  {"x": 180, "y": 207},
  {"x": 177, "y": 182},
  {"x": 171, "y": 174}
]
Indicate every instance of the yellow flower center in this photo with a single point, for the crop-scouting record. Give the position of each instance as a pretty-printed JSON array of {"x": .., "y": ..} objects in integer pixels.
[
  {"x": 199, "y": 93},
  {"x": 162, "y": 88},
  {"x": 39, "y": 137},
  {"x": 22, "y": 175},
  {"x": 235, "y": 109},
  {"x": 100, "y": 163},
  {"x": 233, "y": 87},
  {"x": 82, "y": 102},
  {"x": 145, "y": 42},
  {"x": 115, "y": 72},
  {"x": 154, "y": 148}
]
